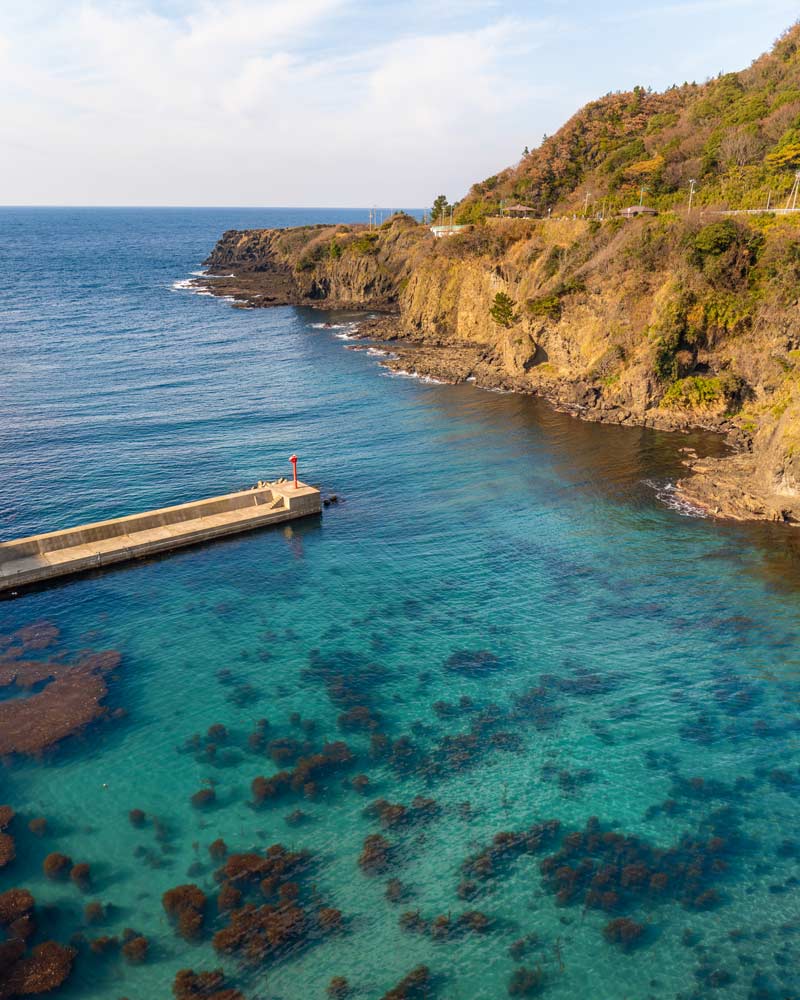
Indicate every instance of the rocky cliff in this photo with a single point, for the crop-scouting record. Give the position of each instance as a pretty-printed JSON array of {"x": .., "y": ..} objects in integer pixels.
[
  {"x": 674, "y": 320},
  {"x": 667, "y": 322}
]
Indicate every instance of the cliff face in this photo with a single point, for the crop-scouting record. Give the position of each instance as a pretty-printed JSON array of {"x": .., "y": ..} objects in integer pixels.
[
  {"x": 667, "y": 322},
  {"x": 347, "y": 266}
]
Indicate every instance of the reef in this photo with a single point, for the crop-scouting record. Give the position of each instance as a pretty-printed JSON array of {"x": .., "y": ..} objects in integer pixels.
[
  {"x": 186, "y": 905},
  {"x": 60, "y": 698},
  {"x": 413, "y": 986},
  {"x": 41, "y": 970},
  {"x": 8, "y": 848},
  {"x": 57, "y": 865},
  {"x": 137, "y": 817},
  {"x": 135, "y": 946},
  {"x": 38, "y": 826},
  {"x": 306, "y": 776},
  {"x": 191, "y": 985},
  {"x": 293, "y": 916},
  {"x": 25, "y": 972},
  {"x": 338, "y": 988},
  {"x": 507, "y": 846},
  {"x": 376, "y": 854},
  {"x": 228, "y": 897},
  {"x": 395, "y": 814},
  {"x": 445, "y": 926},
  {"x": 526, "y": 982},
  {"x": 472, "y": 663},
  {"x": 94, "y": 913},
  {"x": 611, "y": 871},
  {"x": 15, "y": 905},
  {"x": 81, "y": 875},
  {"x": 624, "y": 932},
  {"x": 203, "y": 798},
  {"x": 218, "y": 849}
]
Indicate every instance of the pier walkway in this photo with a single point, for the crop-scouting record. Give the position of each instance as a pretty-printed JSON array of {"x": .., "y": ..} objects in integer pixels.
[{"x": 90, "y": 546}]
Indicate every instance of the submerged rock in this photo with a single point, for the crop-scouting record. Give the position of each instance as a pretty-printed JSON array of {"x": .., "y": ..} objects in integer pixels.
[
  {"x": 70, "y": 700},
  {"x": 413, "y": 986},
  {"x": 191, "y": 985},
  {"x": 45, "y": 968},
  {"x": 472, "y": 663}
]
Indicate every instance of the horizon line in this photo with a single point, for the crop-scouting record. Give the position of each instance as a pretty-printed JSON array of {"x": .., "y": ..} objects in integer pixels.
[{"x": 257, "y": 207}]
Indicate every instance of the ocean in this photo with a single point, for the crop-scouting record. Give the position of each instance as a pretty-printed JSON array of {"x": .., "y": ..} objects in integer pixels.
[{"x": 529, "y": 627}]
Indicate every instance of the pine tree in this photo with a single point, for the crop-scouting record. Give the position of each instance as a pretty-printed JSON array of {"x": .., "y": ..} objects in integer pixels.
[
  {"x": 440, "y": 210},
  {"x": 502, "y": 310}
]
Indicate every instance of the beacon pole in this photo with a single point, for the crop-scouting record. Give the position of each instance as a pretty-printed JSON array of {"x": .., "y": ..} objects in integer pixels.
[{"x": 293, "y": 460}]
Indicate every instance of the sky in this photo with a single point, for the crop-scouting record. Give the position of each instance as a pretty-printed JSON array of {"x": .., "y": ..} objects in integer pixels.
[{"x": 325, "y": 102}]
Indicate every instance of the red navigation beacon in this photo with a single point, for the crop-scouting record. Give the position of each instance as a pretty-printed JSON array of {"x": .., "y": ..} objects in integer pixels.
[{"x": 293, "y": 460}]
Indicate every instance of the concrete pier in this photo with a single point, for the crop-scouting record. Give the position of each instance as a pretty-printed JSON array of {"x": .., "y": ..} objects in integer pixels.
[{"x": 75, "y": 550}]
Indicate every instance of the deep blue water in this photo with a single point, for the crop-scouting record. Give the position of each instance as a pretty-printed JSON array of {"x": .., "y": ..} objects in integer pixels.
[{"x": 654, "y": 648}]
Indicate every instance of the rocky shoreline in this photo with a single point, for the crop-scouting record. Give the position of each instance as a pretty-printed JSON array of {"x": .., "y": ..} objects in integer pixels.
[
  {"x": 719, "y": 487},
  {"x": 585, "y": 354}
]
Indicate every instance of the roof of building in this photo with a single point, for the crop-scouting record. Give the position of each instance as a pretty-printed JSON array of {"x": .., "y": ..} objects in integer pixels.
[{"x": 638, "y": 210}]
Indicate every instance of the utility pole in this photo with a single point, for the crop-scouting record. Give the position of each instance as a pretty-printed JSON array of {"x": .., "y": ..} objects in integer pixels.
[
  {"x": 603, "y": 214},
  {"x": 641, "y": 195},
  {"x": 692, "y": 186},
  {"x": 586, "y": 203},
  {"x": 769, "y": 200},
  {"x": 792, "y": 202}
]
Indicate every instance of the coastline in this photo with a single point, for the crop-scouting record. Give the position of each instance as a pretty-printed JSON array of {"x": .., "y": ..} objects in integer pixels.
[{"x": 723, "y": 488}]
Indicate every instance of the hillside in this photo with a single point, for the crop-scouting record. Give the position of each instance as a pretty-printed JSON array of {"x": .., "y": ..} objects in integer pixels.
[
  {"x": 672, "y": 321},
  {"x": 737, "y": 136}
]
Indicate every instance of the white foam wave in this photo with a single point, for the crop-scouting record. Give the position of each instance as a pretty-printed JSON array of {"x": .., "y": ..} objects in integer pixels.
[
  {"x": 402, "y": 373},
  {"x": 667, "y": 494}
]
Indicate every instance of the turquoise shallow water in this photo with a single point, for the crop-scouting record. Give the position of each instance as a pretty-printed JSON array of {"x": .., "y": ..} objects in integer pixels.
[{"x": 660, "y": 648}]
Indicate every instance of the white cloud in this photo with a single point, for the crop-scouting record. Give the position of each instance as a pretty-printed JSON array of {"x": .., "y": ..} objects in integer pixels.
[
  {"x": 282, "y": 101},
  {"x": 234, "y": 94}
]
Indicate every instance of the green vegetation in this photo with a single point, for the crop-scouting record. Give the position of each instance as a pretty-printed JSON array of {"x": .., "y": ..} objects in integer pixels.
[
  {"x": 697, "y": 391},
  {"x": 546, "y": 307},
  {"x": 693, "y": 392},
  {"x": 440, "y": 213},
  {"x": 367, "y": 243},
  {"x": 714, "y": 239},
  {"x": 670, "y": 334},
  {"x": 738, "y": 136},
  {"x": 549, "y": 306},
  {"x": 502, "y": 310}
]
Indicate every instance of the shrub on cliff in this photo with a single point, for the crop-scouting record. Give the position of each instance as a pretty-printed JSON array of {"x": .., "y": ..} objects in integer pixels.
[
  {"x": 546, "y": 306},
  {"x": 697, "y": 391},
  {"x": 366, "y": 244},
  {"x": 714, "y": 239}
]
